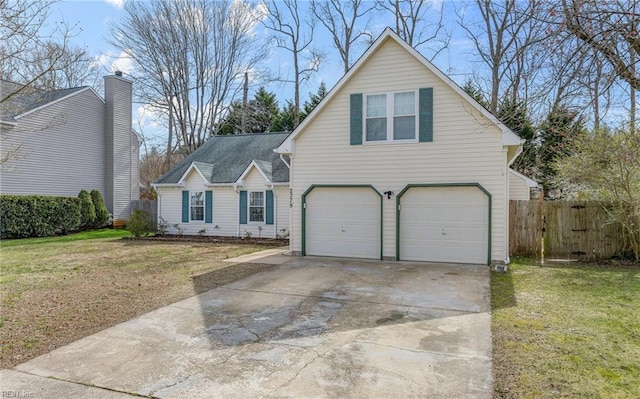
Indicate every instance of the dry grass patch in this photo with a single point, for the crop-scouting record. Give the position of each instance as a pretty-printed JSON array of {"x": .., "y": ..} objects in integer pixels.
[
  {"x": 55, "y": 292},
  {"x": 566, "y": 331}
]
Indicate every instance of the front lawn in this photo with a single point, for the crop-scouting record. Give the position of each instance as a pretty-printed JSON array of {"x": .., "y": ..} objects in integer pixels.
[
  {"x": 570, "y": 331},
  {"x": 56, "y": 290}
]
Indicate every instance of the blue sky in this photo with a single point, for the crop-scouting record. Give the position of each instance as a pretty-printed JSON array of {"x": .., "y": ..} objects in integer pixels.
[{"x": 92, "y": 19}]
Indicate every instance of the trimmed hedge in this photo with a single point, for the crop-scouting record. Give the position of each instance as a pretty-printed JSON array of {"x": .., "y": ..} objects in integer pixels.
[
  {"x": 87, "y": 210},
  {"x": 24, "y": 216},
  {"x": 102, "y": 213}
]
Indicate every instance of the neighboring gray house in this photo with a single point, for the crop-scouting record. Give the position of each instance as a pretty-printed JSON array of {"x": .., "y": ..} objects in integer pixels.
[
  {"x": 232, "y": 185},
  {"x": 62, "y": 141}
]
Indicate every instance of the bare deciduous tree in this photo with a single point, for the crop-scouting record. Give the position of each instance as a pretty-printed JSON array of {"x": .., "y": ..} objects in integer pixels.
[
  {"x": 611, "y": 28},
  {"x": 76, "y": 68},
  {"x": 415, "y": 25},
  {"x": 341, "y": 20},
  {"x": 27, "y": 54},
  {"x": 190, "y": 57},
  {"x": 503, "y": 38},
  {"x": 293, "y": 33}
]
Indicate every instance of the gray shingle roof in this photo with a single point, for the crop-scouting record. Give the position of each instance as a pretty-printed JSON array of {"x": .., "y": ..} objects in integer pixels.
[
  {"x": 223, "y": 159},
  {"x": 27, "y": 99}
]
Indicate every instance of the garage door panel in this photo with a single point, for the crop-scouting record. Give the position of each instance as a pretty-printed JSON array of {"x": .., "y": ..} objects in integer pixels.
[
  {"x": 343, "y": 221},
  {"x": 444, "y": 224}
]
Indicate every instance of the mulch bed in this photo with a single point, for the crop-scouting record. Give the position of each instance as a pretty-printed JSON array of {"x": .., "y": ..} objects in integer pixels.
[{"x": 276, "y": 242}]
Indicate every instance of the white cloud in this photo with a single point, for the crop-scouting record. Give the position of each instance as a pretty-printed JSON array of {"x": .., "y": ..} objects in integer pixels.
[
  {"x": 112, "y": 62},
  {"x": 115, "y": 3}
]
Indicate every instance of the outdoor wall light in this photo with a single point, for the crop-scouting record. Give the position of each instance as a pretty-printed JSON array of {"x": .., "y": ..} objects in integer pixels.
[{"x": 388, "y": 194}]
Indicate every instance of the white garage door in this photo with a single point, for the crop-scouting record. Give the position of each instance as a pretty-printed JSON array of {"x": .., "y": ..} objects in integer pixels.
[
  {"x": 343, "y": 222},
  {"x": 444, "y": 224}
]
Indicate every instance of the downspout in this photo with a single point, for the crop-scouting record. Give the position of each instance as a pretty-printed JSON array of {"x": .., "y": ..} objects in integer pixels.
[
  {"x": 235, "y": 188},
  {"x": 130, "y": 174},
  {"x": 506, "y": 210},
  {"x": 158, "y": 208},
  {"x": 290, "y": 204},
  {"x": 506, "y": 183}
]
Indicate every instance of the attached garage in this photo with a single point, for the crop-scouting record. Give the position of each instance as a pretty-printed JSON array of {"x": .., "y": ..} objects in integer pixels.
[
  {"x": 342, "y": 221},
  {"x": 448, "y": 223}
]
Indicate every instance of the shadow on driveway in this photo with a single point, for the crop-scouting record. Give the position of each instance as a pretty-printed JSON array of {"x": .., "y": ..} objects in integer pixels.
[{"x": 308, "y": 328}]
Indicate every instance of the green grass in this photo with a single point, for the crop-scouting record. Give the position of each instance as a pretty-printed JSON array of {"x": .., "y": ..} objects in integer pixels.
[
  {"x": 570, "y": 331},
  {"x": 59, "y": 289},
  {"x": 85, "y": 235}
]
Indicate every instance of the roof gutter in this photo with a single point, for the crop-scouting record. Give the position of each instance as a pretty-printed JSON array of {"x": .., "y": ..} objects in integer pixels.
[{"x": 168, "y": 185}]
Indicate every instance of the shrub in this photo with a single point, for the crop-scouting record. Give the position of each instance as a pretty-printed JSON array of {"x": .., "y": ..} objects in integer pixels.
[
  {"x": 163, "y": 227},
  {"x": 138, "y": 223},
  {"x": 102, "y": 213},
  {"x": 38, "y": 216},
  {"x": 87, "y": 210}
]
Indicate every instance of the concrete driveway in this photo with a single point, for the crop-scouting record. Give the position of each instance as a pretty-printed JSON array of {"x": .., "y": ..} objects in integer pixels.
[{"x": 309, "y": 328}]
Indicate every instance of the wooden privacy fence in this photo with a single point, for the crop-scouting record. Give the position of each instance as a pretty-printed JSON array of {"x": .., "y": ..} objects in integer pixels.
[
  {"x": 567, "y": 229},
  {"x": 149, "y": 206}
]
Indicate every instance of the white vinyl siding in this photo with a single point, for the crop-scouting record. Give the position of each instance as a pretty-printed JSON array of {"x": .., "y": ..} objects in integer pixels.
[
  {"x": 254, "y": 181},
  {"x": 225, "y": 204},
  {"x": 466, "y": 147},
  {"x": 225, "y": 208},
  {"x": 282, "y": 211},
  {"x": 518, "y": 189}
]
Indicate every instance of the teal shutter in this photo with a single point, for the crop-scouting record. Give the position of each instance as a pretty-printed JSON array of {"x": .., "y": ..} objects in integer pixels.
[
  {"x": 269, "y": 215},
  {"x": 356, "y": 119},
  {"x": 185, "y": 207},
  {"x": 208, "y": 207},
  {"x": 425, "y": 106},
  {"x": 243, "y": 207}
]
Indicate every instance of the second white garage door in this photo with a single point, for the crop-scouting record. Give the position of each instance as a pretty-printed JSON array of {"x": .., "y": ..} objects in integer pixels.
[
  {"x": 343, "y": 221},
  {"x": 444, "y": 224}
]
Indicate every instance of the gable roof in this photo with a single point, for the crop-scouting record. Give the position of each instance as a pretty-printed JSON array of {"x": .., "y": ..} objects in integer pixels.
[
  {"x": 508, "y": 136},
  {"x": 29, "y": 100},
  {"x": 225, "y": 159},
  {"x": 527, "y": 180}
]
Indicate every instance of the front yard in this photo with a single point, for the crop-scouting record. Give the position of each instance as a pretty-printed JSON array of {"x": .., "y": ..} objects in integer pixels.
[
  {"x": 566, "y": 331},
  {"x": 569, "y": 331},
  {"x": 54, "y": 291}
]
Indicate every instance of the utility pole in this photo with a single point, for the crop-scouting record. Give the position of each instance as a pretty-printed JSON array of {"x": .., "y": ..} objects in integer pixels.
[
  {"x": 170, "y": 135},
  {"x": 245, "y": 93}
]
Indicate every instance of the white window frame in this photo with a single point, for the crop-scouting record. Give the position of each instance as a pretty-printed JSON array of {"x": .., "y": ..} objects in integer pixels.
[
  {"x": 264, "y": 207},
  {"x": 191, "y": 206},
  {"x": 390, "y": 115}
]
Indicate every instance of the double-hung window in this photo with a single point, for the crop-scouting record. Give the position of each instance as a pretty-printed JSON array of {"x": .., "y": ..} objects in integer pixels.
[
  {"x": 390, "y": 116},
  {"x": 256, "y": 206},
  {"x": 197, "y": 205}
]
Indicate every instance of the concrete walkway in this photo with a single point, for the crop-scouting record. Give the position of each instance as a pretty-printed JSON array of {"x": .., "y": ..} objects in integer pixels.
[{"x": 309, "y": 328}]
